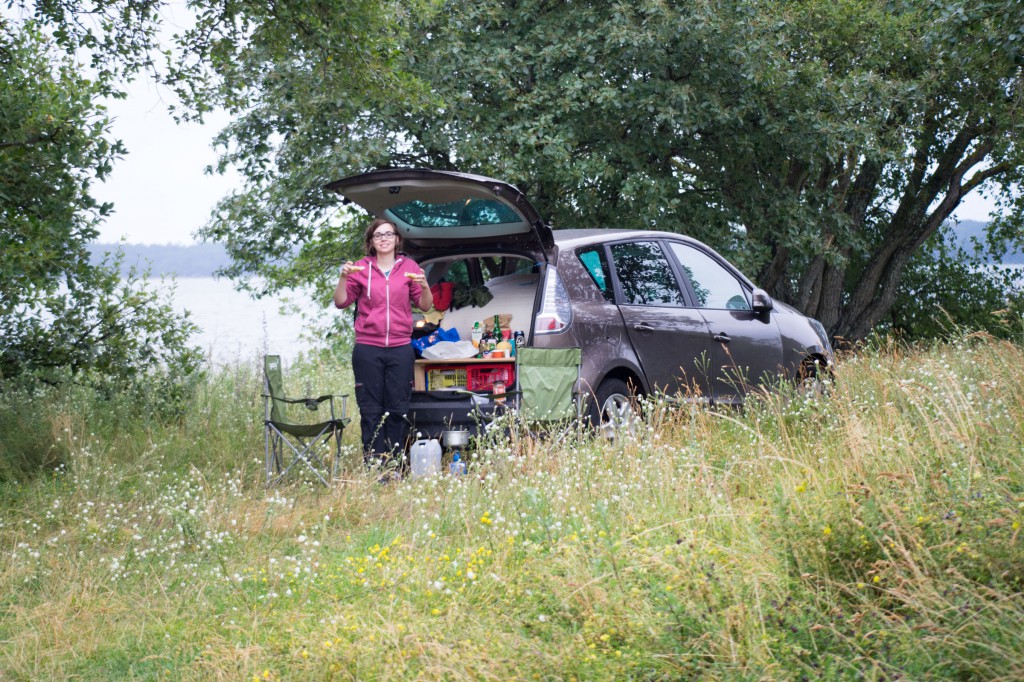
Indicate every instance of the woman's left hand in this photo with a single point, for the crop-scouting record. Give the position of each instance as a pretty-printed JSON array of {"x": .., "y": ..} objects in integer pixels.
[{"x": 417, "y": 277}]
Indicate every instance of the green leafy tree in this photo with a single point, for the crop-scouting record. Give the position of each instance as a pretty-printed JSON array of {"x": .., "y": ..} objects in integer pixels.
[
  {"x": 818, "y": 143},
  {"x": 62, "y": 317},
  {"x": 315, "y": 88},
  {"x": 945, "y": 124}
]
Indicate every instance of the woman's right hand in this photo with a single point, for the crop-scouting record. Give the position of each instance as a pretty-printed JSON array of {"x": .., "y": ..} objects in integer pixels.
[{"x": 348, "y": 267}]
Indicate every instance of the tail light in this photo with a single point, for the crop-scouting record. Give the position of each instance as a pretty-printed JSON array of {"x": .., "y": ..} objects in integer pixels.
[{"x": 555, "y": 309}]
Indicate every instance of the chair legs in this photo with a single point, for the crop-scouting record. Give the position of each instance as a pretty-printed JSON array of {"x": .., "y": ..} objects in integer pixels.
[{"x": 276, "y": 453}]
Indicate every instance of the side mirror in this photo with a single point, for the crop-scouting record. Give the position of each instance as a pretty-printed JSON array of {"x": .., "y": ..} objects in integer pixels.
[{"x": 762, "y": 302}]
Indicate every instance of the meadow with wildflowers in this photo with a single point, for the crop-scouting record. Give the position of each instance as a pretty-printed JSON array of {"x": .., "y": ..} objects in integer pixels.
[{"x": 868, "y": 533}]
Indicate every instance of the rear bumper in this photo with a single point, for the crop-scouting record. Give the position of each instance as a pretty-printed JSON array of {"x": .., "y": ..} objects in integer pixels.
[{"x": 432, "y": 412}]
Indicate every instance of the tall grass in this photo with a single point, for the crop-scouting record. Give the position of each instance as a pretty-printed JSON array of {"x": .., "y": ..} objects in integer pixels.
[{"x": 868, "y": 533}]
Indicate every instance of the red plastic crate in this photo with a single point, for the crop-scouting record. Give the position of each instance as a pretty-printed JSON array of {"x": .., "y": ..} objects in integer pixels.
[
  {"x": 482, "y": 377},
  {"x": 475, "y": 377}
]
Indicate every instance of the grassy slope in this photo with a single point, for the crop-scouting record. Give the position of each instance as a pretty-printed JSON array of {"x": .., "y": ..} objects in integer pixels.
[{"x": 874, "y": 532}]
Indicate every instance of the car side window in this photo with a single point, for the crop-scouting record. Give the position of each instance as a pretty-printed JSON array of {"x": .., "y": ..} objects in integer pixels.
[
  {"x": 596, "y": 265},
  {"x": 645, "y": 275},
  {"x": 714, "y": 286}
]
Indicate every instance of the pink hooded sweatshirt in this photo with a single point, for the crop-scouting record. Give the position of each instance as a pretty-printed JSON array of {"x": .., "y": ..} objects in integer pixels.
[{"x": 383, "y": 310}]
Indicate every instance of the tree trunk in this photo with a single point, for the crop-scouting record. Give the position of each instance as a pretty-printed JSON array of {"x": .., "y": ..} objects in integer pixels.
[{"x": 912, "y": 224}]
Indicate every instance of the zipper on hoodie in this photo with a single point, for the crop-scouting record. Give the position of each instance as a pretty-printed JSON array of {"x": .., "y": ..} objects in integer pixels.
[
  {"x": 387, "y": 305},
  {"x": 387, "y": 296}
]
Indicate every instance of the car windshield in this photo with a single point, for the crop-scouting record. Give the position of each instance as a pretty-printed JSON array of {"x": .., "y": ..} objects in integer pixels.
[{"x": 455, "y": 213}]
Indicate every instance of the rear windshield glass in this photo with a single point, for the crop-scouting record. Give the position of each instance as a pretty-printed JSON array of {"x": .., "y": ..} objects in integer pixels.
[{"x": 455, "y": 213}]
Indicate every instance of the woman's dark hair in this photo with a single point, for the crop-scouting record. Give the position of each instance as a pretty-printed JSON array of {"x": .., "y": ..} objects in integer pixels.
[{"x": 368, "y": 240}]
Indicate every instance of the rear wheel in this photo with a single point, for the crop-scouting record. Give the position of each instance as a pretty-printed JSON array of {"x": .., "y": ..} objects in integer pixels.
[{"x": 614, "y": 413}]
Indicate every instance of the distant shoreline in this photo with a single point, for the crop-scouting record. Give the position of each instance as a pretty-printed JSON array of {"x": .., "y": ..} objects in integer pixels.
[{"x": 203, "y": 260}]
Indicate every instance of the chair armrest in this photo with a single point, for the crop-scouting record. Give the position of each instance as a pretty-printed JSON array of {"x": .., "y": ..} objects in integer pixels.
[{"x": 299, "y": 401}]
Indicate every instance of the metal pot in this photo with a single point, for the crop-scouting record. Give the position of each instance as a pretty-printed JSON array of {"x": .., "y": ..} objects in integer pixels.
[{"x": 455, "y": 439}]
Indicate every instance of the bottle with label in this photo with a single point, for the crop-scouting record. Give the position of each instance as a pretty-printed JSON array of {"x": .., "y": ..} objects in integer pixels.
[
  {"x": 496, "y": 332},
  {"x": 484, "y": 346},
  {"x": 477, "y": 334},
  {"x": 457, "y": 467}
]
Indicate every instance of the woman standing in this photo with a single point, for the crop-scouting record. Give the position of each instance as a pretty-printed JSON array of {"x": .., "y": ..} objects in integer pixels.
[{"x": 384, "y": 286}]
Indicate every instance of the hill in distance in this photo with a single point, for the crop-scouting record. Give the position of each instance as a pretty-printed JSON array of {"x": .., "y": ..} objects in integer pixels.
[{"x": 196, "y": 260}]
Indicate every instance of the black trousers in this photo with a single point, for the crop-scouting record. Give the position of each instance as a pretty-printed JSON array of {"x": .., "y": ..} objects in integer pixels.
[{"x": 383, "y": 387}]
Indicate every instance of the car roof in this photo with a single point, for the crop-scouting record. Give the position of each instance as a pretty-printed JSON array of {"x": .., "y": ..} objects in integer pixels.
[
  {"x": 571, "y": 238},
  {"x": 568, "y": 239}
]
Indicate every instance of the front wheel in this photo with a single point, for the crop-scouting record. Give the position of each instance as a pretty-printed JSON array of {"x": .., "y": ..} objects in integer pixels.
[
  {"x": 815, "y": 379},
  {"x": 613, "y": 412}
]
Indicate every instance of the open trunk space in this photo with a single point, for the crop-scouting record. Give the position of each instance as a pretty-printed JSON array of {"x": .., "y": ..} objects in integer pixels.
[{"x": 485, "y": 285}]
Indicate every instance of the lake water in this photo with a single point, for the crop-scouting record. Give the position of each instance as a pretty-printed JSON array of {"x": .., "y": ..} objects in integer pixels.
[{"x": 233, "y": 326}]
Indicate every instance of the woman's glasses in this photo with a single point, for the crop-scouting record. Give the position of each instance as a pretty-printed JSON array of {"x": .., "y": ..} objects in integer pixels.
[{"x": 381, "y": 236}]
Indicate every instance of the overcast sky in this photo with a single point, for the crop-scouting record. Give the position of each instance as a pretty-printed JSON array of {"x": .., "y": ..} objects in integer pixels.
[
  {"x": 160, "y": 193},
  {"x": 159, "y": 190}
]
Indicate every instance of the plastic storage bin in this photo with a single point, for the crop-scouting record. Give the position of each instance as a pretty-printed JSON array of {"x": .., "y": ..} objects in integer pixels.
[
  {"x": 482, "y": 377},
  {"x": 440, "y": 378},
  {"x": 476, "y": 377}
]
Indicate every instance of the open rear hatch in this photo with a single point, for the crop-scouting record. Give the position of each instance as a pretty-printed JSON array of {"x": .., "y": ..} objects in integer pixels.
[
  {"x": 448, "y": 215},
  {"x": 442, "y": 210}
]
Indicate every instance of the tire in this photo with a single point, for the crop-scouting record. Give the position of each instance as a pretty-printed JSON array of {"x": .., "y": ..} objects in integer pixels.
[
  {"x": 814, "y": 379},
  {"x": 613, "y": 413}
]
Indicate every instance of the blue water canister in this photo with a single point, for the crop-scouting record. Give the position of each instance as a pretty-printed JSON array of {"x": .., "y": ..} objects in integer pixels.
[{"x": 457, "y": 467}]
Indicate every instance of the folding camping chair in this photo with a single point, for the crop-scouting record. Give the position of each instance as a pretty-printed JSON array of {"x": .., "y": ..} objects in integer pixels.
[
  {"x": 299, "y": 439},
  {"x": 546, "y": 394},
  {"x": 547, "y": 380}
]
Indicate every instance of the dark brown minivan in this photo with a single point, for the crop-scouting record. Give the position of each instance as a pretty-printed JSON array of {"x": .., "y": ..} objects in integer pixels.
[{"x": 652, "y": 311}]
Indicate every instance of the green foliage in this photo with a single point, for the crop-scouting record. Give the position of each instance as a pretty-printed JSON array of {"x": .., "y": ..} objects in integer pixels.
[
  {"x": 313, "y": 87},
  {"x": 817, "y": 143},
  {"x": 115, "y": 38},
  {"x": 948, "y": 287},
  {"x": 115, "y": 331},
  {"x": 63, "y": 318},
  {"x": 53, "y": 145}
]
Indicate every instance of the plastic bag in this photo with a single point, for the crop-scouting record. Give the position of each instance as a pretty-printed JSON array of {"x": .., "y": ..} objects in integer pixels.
[
  {"x": 435, "y": 337},
  {"x": 450, "y": 350}
]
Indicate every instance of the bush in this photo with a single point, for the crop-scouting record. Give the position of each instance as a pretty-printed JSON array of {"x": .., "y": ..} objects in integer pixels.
[{"x": 947, "y": 287}]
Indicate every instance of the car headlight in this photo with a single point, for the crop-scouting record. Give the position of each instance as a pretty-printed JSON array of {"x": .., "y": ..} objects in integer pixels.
[{"x": 819, "y": 329}]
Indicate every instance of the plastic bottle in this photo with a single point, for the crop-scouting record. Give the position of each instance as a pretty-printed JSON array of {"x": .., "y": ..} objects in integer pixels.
[
  {"x": 485, "y": 344},
  {"x": 477, "y": 334},
  {"x": 425, "y": 456},
  {"x": 457, "y": 467}
]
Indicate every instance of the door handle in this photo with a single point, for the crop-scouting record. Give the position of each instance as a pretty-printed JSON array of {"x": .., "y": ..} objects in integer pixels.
[
  {"x": 723, "y": 337},
  {"x": 643, "y": 327}
]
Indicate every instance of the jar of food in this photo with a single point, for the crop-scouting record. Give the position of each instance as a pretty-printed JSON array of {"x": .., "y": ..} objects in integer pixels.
[{"x": 498, "y": 390}]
